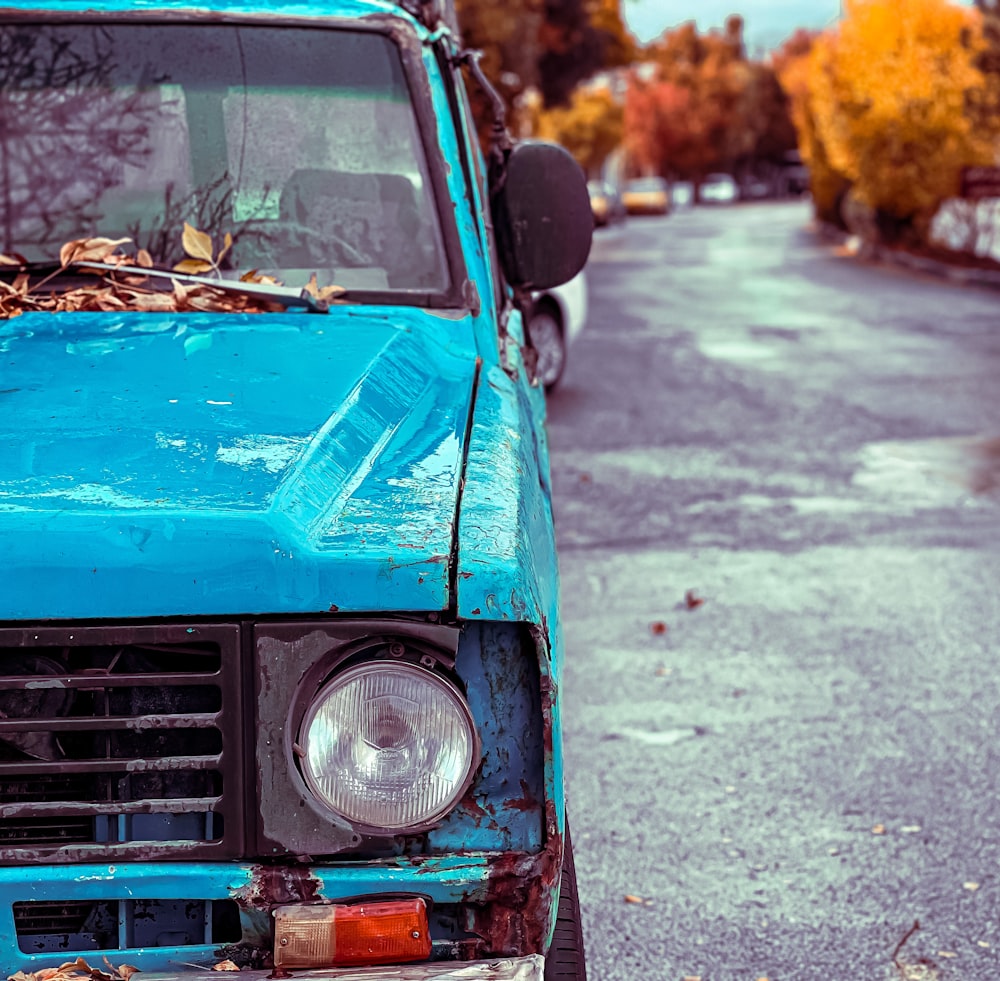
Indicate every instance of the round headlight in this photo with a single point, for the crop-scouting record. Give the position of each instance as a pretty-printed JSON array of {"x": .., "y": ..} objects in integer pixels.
[{"x": 389, "y": 746}]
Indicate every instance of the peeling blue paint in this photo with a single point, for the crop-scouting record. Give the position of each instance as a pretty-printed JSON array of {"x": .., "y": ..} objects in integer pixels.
[
  {"x": 442, "y": 880},
  {"x": 282, "y": 464}
]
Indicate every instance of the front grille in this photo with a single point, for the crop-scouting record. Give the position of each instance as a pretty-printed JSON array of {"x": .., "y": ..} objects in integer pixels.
[
  {"x": 119, "y": 744},
  {"x": 51, "y": 927}
]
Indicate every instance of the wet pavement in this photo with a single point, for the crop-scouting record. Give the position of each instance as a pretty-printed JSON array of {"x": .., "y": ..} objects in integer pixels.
[{"x": 777, "y": 480}]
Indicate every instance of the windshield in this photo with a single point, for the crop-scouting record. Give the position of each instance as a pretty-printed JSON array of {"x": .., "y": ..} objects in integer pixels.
[{"x": 300, "y": 144}]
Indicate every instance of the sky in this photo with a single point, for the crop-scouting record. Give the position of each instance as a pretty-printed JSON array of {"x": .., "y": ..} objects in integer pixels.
[{"x": 767, "y": 22}]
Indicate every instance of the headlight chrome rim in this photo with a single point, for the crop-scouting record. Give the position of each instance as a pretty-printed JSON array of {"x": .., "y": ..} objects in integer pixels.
[{"x": 359, "y": 809}]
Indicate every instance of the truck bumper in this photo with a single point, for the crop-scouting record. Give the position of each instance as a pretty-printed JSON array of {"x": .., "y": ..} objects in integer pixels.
[{"x": 530, "y": 968}]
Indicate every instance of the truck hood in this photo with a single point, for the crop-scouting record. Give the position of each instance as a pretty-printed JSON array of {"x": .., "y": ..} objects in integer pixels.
[{"x": 235, "y": 464}]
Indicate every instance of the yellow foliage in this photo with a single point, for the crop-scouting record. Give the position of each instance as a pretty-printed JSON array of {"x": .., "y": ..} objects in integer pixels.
[
  {"x": 887, "y": 96},
  {"x": 590, "y": 127},
  {"x": 797, "y": 76}
]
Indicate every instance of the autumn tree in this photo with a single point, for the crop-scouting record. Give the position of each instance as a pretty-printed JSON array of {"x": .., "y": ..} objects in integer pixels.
[
  {"x": 700, "y": 105},
  {"x": 984, "y": 104},
  {"x": 550, "y": 45},
  {"x": 657, "y": 122},
  {"x": 795, "y": 65},
  {"x": 590, "y": 127},
  {"x": 888, "y": 92},
  {"x": 51, "y": 92}
]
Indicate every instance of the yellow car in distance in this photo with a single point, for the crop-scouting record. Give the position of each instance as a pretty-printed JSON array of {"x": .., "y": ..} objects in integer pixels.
[
  {"x": 606, "y": 203},
  {"x": 647, "y": 196}
]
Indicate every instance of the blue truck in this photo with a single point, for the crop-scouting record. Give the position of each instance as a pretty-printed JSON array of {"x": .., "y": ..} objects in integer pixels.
[{"x": 280, "y": 649}]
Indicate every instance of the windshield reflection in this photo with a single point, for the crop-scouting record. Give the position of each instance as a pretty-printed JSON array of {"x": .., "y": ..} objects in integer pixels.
[{"x": 301, "y": 144}]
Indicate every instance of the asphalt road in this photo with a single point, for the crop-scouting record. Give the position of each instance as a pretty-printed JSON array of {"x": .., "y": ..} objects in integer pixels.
[{"x": 779, "y": 781}]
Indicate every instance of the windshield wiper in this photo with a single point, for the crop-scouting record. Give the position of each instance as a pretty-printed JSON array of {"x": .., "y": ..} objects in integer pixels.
[{"x": 288, "y": 296}]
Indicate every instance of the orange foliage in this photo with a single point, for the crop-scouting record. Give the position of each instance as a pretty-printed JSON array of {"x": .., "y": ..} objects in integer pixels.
[
  {"x": 882, "y": 103},
  {"x": 701, "y": 106}
]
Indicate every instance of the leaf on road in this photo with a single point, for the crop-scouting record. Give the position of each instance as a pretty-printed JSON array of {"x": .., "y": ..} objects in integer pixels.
[
  {"x": 691, "y": 601},
  {"x": 658, "y": 627},
  {"x": 971, "y": 886},
  {"x": 225, "y": 966},
  {"x": 917, "y": 972},
  {"x": 879, "y": 829}
]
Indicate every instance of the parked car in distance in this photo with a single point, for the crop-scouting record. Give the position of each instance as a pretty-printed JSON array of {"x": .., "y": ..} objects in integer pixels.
[
  {"x": 647, "y": 196},
  {"x": 556, "y": 319},
  {"x": 718, "y": 189},
  {"x": 606, "y": 203}
]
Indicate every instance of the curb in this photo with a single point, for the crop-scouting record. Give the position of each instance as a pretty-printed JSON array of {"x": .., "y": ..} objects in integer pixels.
[{"x": 963, "y": 275}]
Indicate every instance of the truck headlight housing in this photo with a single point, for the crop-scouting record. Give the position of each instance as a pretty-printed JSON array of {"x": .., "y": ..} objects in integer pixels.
[{"x": 389, "y": 746}]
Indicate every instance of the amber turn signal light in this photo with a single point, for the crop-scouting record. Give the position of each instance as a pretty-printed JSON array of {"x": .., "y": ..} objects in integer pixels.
[{"x": 341, "y": 935}]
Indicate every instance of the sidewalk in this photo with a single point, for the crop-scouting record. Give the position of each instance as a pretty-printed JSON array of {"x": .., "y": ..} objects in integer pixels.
[{"x": 853, "y": 245}]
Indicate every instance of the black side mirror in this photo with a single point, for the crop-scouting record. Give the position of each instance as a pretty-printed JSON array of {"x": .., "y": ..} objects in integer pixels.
[{"x": 542, "y": 216}]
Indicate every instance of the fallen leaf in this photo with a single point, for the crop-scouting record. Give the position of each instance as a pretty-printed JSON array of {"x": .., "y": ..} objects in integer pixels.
[
  {"x": 638, "y": 900},
  {"x": 947, "y": 953},
  {"x": 197, "y": 244},
  {"x": 658, "y": 627},
  {"x": 227, "y": 244},
  {"x": 691, "y": 601},
  {"x": 124, "y": 972},
  {"x": 911, "y": 829},
  {"x": 194, "y": 266},
  {"x": 692, "y": 977},
  {"x": 916, "y": 972},
  {"x": 225, "y": 966},
  {"x": 971, "y": 886},
  {"x": 983, "y": 944},
  {"x": 94, "y": 249},
  {"x": 879, "y": 829},
  {"x": 662, "y": 672}
]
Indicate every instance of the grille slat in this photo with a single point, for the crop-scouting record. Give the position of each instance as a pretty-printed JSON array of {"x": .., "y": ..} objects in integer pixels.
[
  {"x": 113, "y": 738},
  {"x": 206, "y": 720},
  {"x": 163, "y": 765},
  {"x": 190, "y": 805},
  {"x": 98, "y": 681}
]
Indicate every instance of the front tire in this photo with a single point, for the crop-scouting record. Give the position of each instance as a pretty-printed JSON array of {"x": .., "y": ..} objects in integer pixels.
[{"x": 565, "y": 960}]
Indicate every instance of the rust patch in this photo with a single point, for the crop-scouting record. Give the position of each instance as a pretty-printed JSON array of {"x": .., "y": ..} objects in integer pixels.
[
  {"x": 277, "y": 885},
  {"x": 517, "y": 912},
  {"x": 548, "y": 692},
  {"x": 526, "y": 802},
  {"x": 471, "y": 806}
]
